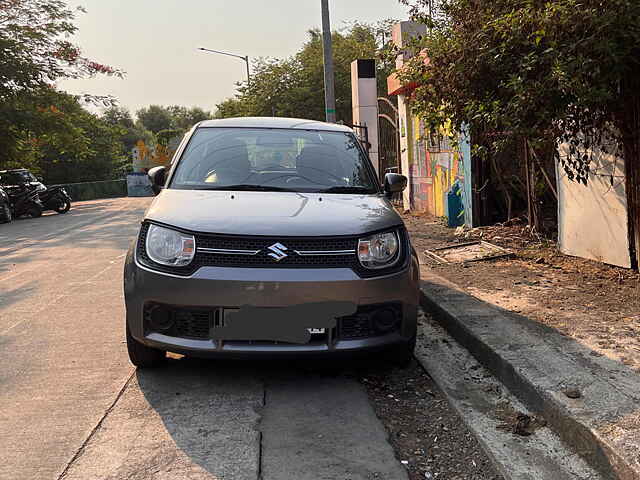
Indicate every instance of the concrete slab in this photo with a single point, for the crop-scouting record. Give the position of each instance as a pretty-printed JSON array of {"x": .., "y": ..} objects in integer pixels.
[
  {"x": 61, "y": 339},
  {"x": 316, "y": 428},
  {"x": 187, "y": 421}
]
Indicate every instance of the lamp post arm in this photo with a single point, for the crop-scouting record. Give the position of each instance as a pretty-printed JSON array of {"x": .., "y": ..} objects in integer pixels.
[{"x": 245, "y": 58}]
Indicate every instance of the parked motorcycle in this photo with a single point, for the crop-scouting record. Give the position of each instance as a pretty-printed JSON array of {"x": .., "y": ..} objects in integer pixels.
[
  {"x": 25, "y": 201},
  {"x": 5, "y": 207},
  {"x": 56, "y": 198}
]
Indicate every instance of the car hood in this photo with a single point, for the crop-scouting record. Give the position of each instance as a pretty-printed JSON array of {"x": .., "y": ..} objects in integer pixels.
[{"x": 272, "y": 213}]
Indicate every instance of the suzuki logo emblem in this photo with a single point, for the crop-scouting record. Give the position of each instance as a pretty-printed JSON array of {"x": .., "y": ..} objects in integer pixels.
[{"x": 277, "y": 251}]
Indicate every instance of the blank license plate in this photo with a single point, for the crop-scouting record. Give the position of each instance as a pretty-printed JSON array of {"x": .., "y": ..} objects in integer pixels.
[{"x": 312, "y": 331}]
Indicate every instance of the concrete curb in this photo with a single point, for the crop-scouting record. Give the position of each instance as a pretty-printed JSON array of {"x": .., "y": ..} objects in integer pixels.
[
  {"x": 479, "y": 399},
  {"x": 538, "y": 365}
]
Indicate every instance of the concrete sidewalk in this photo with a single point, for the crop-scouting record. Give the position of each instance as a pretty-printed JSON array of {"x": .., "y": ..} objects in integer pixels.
[{"x": 592, "y": 402}]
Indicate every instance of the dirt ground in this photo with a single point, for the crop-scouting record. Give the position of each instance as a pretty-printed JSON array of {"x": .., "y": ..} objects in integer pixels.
[
  {"x": 427, "y": 435},
  {"x": 596, "y": 304}
]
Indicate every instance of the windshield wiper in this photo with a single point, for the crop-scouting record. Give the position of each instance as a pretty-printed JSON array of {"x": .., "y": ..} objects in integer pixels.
[
  {"x": 348, "y": 189},
  {"x": 248, "y": 187}
]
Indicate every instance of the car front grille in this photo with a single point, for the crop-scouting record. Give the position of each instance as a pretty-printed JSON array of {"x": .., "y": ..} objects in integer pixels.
[
  {"x": 196, "y": 322},
  {"x": 254, "y": 252}
]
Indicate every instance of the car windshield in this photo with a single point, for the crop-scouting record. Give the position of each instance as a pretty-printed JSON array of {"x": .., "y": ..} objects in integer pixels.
[{"x": 265, "y": 159}]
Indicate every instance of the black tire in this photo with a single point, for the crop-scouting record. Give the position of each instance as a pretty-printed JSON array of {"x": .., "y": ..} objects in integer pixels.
[
  {"x": 5, "y": 214},
  {"x": 63, "y": 207},
  {"x": 35, "y": 212},
  {"x": 402, "y": 355},
  {"x": 142, "y": 356}
]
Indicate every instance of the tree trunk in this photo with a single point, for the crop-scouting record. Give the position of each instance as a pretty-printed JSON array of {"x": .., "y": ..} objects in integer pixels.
[
  {"x": 629, "y": 127},
  {"x": 533, "y": 207},
  {"x": 503, "y": 186}
]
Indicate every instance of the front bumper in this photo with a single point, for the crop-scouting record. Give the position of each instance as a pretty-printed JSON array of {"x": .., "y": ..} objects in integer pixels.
[{"x": 233, "y": 287}]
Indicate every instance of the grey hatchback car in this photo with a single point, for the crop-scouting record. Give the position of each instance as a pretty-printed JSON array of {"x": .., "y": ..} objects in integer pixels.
[{"x": 271, "y": 237}]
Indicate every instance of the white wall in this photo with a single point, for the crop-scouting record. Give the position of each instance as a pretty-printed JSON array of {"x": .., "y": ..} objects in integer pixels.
[
  {"x": 364, "y": 100},
  {"x": 593, "y": 218}
]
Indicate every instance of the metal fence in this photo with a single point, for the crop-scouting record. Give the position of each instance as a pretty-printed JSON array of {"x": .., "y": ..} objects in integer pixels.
[{"x": 94, "y": 190}]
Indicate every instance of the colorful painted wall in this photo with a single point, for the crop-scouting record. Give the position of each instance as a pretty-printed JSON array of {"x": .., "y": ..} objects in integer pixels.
[
  {"x": 434, "y": 167},
  {"x": 145, "y": 157}
]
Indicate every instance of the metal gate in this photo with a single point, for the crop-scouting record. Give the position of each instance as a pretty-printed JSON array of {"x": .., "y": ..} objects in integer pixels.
[
  {"x": 362, "y": 132},
  {"x": 389, "y": 141}
]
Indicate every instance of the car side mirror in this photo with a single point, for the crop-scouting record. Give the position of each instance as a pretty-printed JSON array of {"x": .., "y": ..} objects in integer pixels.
[
  {"x": 394, "y": 183},
  {"x": 157, "y": 176}
]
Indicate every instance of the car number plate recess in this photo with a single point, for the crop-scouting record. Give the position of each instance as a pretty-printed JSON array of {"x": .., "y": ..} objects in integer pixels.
[{"x": 312, "y": 331}]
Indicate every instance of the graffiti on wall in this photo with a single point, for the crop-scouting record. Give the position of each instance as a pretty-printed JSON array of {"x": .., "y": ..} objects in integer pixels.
[
  {"x": 145, "y": 156},
  {"x": 435, "y": 167}
]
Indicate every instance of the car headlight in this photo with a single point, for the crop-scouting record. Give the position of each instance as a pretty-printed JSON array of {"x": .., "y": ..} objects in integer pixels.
[
  {"x": 169, "y": 247},
  {"x": 379, "y": 250}
]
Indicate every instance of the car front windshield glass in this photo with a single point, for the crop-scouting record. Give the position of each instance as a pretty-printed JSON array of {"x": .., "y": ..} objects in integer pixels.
[{"x": 273, "y": 159}]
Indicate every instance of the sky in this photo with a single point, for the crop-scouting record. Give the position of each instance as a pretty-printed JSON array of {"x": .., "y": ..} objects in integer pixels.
[{"x": 155, "y": 42}]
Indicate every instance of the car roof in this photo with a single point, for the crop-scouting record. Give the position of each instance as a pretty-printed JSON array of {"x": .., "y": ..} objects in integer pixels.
[{"x": 274, "y": 122}]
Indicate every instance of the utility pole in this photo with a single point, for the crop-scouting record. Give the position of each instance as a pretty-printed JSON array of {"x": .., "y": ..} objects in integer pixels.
[{"x": 329, "y": 80}]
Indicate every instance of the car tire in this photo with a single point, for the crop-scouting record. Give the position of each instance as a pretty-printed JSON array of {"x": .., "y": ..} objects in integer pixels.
[
  {"x": 5, "y": 214},
  {"x": 142, "y": 356},
  {"x": 402, "y": 355}
]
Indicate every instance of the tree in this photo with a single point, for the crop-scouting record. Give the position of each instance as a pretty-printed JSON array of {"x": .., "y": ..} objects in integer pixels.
[
  {"x": 155, "y": 118},
  {"x": 61, "y": 140},
  {"x": 129, "y": 131},
  {"x": 564, "y": 71},
  {"x": 118, "y": 116},
  {"x": 36, "y": 52},
  {"x": 294, "y": 86},
  {"x": 184, "y": 118},
  {"x": 35, "y": 47}
]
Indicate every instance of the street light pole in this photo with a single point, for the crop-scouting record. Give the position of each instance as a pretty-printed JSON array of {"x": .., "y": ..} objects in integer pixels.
[
  {"x": 329, "y": 81},
  {"x": 245, "y": 58}
]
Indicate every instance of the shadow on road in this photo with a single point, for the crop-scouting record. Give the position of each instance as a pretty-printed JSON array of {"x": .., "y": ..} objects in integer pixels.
[{"x": 11, "y": 296}]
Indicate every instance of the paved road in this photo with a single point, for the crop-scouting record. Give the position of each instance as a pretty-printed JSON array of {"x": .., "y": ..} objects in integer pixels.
[{"x": 73, "y": 407}]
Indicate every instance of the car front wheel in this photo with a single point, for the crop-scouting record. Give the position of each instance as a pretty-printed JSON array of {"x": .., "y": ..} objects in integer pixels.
[{"x": 142, "y": 356}]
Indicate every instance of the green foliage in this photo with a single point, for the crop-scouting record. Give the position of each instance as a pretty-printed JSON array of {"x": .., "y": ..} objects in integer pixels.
[
  {"x": 129, "y": 131},
  {"x": 156, "y": 117},
  {"x": 184, "y": 118},
  {"x": 36, "y": 51},
  {"x": 533, "y": 69},
  {"x": 54, "y": 136},
  {"x": 164, "y": 136},
  {"x": 294, "y": 86},
  {"x": 40, "y": 128}
]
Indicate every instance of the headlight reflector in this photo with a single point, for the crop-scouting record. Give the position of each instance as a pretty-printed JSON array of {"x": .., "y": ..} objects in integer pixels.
[
  {"x": 169, "y": 247},
  {"x": 379, "y": 250}
]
